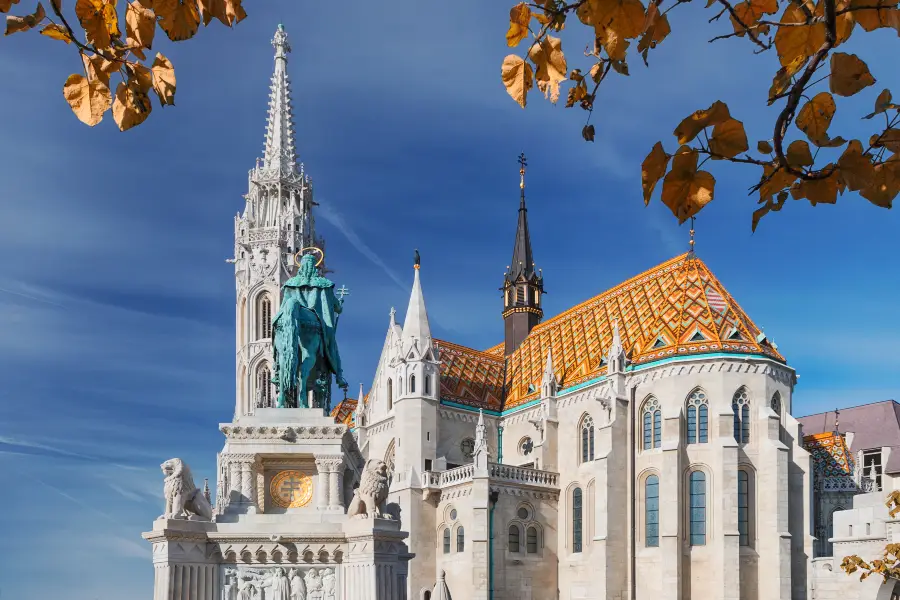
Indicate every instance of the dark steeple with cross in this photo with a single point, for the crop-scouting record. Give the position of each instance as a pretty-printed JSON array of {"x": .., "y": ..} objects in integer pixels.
[{"x": 523, "y": 283}]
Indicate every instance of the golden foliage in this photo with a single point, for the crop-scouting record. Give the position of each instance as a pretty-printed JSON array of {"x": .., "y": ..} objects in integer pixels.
[
  {"x": 228, "y": 12},
  {"x": 764, "y": 147},
  {"x": 140, "y": 25},
  {"x": 17, "y": 24},
  {"x": 180, "y": 19},
  {"x": 519, "y": 17},
  {"x": 5, "y": 5},
  {"x": 849, "y": 74},
  {"x": 164, "y": 79},
  {"x": 652, "y": 170},
  {"x": 132, "y": 105},
  {"x": 818, "y": 191},
  {"x": 551, "y": 66},
  {"x": 814, "y": 118},
  {"x": 728, "y": 139},
  {"x": 89, "y": 99},
  {"x": 882, "y": 104},
  {"x": 793, "y": 43},
  {"x": 688, "y": 129},
  {"x": 874, "y": 14},
  {"x": 685, "y": 189},
  {"x": 656, "y": 28},
  {"x": 57, "y": 32},
  {"x": 798, "y": 154},
  {"x": 99, "y": 20},
  {"x": 856, "y": 170},
  {"x": 518, "y": 78}
]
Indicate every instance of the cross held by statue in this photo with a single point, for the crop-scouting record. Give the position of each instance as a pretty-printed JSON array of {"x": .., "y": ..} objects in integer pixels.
[{"x": 342, "y": 291}]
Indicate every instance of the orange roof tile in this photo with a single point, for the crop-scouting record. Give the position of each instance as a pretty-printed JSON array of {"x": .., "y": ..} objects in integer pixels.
[
  {"x": 470, "y": 377},
  {"x": 343, "y": 411}
]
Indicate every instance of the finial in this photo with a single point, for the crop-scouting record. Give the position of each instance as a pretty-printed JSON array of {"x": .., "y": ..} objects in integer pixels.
[
  {"x": 522, "y": 164},
  {"x": 837, "y": 421},
  {"x": 280, "y": 42},
  {"x": 417, "y": 260},
  {"x": 691, "y": 243}
]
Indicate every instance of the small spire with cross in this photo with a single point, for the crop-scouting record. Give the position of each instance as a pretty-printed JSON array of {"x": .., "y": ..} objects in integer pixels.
[{"x": 523, "y": 162}]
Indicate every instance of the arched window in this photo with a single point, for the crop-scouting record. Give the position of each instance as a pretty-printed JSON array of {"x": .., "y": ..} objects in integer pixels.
[
  {"x": 514, "y": 538},
  {"x": 412, "y": 384},
  {"x": 531, "y": 544},
  {"x": 776, "y": 403},
  {"x": 651, "y": 511},
  {"x": 427, "y": 385},
  {"x": 263, "y": 386},
  {"x": 576, "y": 519},
  {"x": 652, "y": 424},
  {"x": 460, "y": 539},
  {"x": 390, "y": 394},
  {"x": 698, "y": 508},
  {"x": 740, "y": 406},
  {"x": 697, "y": 418},
  {"x": 744, "y": 507},
  {"x": 587, "y": 438},
  {"x": 446, "y": 540},
  {"x": 264, "y": 325}
]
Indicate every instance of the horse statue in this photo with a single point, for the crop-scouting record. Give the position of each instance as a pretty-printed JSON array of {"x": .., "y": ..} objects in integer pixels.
[{"x": 304, "y": 343}]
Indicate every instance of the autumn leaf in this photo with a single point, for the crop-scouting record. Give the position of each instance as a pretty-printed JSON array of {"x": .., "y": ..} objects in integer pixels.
[
  {"x": 656, "y": 28},
  {"x": 750, "y": 12},
  {"x": 625, "y": 17},
  {"x": 89, "y": 99},
  {"x": 519, "y": 17},
  {"x": 5, "y": 5},
  {"x": 882, "y": 104},
  {"x": 849, "y": 74},
  {"x": 874, "y": 14},
  {"x": 782, "y": 79},
  {"x": 99, "y": 20},
  {"x": 228, "y": 12},
  {"x": 793, "y": 42},
  {"x": 518, "y": 78},
  {"x": 798, "y": 154},
  {"x": 140, "y": 26},
  {"x": 685, "y": 190},
  {"x": 576, "y": 94},
  {"x": 588, "y": 133},
  {"x": 889, "y": 139},
  {"x": 728, "y": 139},
  {"x": 773, "y": 180},
  {"x": 854, "y": 168},
  {"x": 614, "y": 45},
  {"x": 131, "y": 106},
  {"x": 815, "y": 117},
  {"x": 700, "y": 120},
  {"x": 180, "y": 19},
  {"x": 163, "y": 79},
  {"x": 768, "y": 207},
  {"x": 98, "y": 67},
  {"x": 652, "y": 170},
  {"x": 764, "y": 147},
  {"x": 817, "y": 191},
  {"x": 57, "y": 32},
  {"x": 17, "y": 24},
  {"x": 551, "y": 66}
]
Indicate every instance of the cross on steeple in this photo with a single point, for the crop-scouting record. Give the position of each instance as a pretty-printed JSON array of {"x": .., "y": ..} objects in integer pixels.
[{"x": 523, "y": 162}]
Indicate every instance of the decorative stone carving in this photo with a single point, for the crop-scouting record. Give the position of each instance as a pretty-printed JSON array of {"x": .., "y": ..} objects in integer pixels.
[
  {"x": 255, "y": 583},
  {"x": 183, "y": 499},
  {"x": 369, "y": 498}
]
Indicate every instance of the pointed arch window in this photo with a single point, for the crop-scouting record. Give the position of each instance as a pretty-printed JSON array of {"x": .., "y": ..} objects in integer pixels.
[
  {"x": 446, "y": 540},
  {"x": 427, "y": 381},
  {"x": 698, "y": 418},
  {"x": 698, "y": 508},
  {"x": 587, "y": 438},
  {"x": 514, "y": 538},
  {"x": 460, "y": 539},
  {"x": 652, "y": 424},
  {"x": 740, "y": 406},
  {"x": 576, "y": 519},
  {"x": 531, "y": 543},
  {"x": 651, "y": 511},
  {"x": 263, "y": 386},
  {"x": 776, "y": 403},
  {"x": 412, "y": 384},
  {"x": 264, "y": 324},
  {"x": 744, "y": 507},
  {"x": 390, "y": 394}
]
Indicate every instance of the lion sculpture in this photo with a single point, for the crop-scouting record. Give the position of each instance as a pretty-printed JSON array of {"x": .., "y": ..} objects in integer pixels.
[
  {"x": 369, "y": 498},
  {"x": 183, "y": 499}
]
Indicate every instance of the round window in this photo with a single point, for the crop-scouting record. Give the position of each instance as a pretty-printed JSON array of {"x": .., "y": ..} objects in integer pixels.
[
  {"x": 523, "y": 512},
  {"x": 526, "y": 446},
  {"x": 453, "y": 515}
]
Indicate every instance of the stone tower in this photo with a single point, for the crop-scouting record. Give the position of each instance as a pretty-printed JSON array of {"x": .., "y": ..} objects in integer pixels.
[
  {"x": 523, "y": 285},
  {"x": 276, "y": 223}
]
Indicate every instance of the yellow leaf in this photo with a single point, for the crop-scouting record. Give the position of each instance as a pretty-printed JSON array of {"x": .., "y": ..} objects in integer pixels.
[
  {"x": 626, "y": 17},
  {"x": 749, "y": 13},
  {"x": 652, "y": 170},
  {"x": 883, "y": 103},
  {"x": 764, "y": 147},
  {"x": 57, "y": 32},
  {"x": 768, "y": 207},
  {"x": 782, "y": 79},
  {"x": 798, "y": 154},
  {"x": 855, "y": 169},
  {"x": 576, "y": 94},
  {"x": 551, "y": 66},
  {"x": 793, "y": 42},
  {"x": 180, "y": 19},
  {"x": 5, "y": 5},
  {"x": 17, "y": 24},
  {"x": 228, "y": 12},
  {"x": 519, "y": 17},
  {"x": 729, "y": 139},
  {"x": 518, "y": 78},
  {"x": 849, "y": 74},
  {"x": 874, "y": 14},
  {"x": 140, "y": 25},
  {"x": 685, "y": 190},
  {"x": 131, "y": 106},
  {"x": 588, "y": 133},
  {"x": 817, "y": 191},
  {"x": 99, "y": 20},
  {"x": 140, "y": 77},
  {"x": 163, "y": 79},
  {"x": 614, "y": 45},
  {"x": 700, "y": 120},
  {"x": 844, "y": 23},
  {"x": 656, "y": 28},
  {"x": 98, "y": 67},
  {"x": 88, "y": 99},
  {"x": 889, "y": 139},
  {"x": 815, "y": 117},
  {"x": 773, "y": 181}
]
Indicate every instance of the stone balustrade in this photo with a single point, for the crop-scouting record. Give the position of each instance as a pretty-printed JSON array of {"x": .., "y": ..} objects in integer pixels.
[
  {"x": 457, "y": 475},
  {"x": 523, "y": 475}
]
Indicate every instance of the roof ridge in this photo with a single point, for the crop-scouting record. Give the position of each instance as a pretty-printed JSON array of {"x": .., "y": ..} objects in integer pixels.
[
  {"x": 825, "y": 412},
  {"x": 497, "y": 359}
]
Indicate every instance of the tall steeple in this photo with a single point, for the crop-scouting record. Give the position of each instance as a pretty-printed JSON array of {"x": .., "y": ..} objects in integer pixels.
[
  {"x": 523, "y": 285},
  {"x": 416, "y": 330},
  {"x": 280, "y": 151}
]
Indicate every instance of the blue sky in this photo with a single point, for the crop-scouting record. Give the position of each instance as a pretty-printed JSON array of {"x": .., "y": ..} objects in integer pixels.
[{"x": 116, "y": 305}]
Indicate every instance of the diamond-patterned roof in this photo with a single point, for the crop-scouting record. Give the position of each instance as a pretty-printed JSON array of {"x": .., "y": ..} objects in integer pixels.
[
  {"x": 675, "y": 309},
  {"x": 343, "y": 411},
  {"x": 830, "y": 454}
]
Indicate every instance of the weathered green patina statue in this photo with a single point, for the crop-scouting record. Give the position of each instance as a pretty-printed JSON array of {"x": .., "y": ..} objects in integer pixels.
[{"x": 304, "y": 341}]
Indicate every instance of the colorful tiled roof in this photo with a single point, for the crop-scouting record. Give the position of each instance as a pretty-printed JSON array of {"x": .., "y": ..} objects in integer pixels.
[
  {"x": 830, "y": 454},
  {"x": 470, "y": 377},
  {"x": 675, "y": 309},
  {"x": 343, "y": 411}
]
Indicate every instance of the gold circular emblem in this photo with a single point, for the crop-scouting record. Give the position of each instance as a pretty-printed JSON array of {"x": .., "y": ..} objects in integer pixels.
[{"x": 291, "y": 489}]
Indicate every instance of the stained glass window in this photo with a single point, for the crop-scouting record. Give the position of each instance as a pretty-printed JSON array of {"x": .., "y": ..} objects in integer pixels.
[
  {"x": 698, "y": 508},
  {"x": 651, "y": 511}
]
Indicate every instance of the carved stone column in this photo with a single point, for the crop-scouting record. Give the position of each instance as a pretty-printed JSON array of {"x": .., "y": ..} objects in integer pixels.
[
  {"x": 322, "y": 483},
  {"x": 248, "y": 483},
  {"x": 234, "y": 482},
  {"x": 335, "y": 475}
]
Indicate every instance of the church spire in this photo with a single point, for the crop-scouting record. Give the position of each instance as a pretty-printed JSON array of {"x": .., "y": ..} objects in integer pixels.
[
  {"x": 523, "y": 285},
  {"x": 280, "y": 151},
  {"x": 415, "y": 328}
]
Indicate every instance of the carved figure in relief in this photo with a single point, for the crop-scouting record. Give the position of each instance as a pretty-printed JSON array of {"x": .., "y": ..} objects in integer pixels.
[
  {"x": 279, "y": 586},
  {"x": 369, "y": 498},
  {"x": 328, "y": 584},
  {"x": 298, "y": 586},
  {"x": 183, "y": 499},
  {"x": 314, "y": 583}
]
